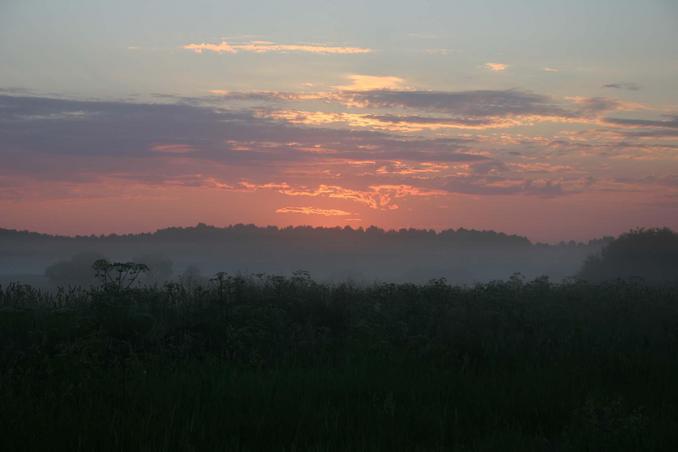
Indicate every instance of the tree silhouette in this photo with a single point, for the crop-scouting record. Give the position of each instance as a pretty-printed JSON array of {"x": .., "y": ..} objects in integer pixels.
[
  {"x": 650, "y": 254},
  {"x": 75, "y": 271}
]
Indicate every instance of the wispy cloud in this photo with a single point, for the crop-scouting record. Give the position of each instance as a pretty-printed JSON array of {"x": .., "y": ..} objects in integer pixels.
[
  {"x": 314, "y": 211},
  {"x": 272, "y": 47},
  {"x": 630, "y": 86},
  {"x": 222, "y": 47},
  {"x": 173, "y": 148},
  {"x": 378, "y": 197},
  {"x": 496, "y": 67},
  {"x": 670, "y": 123},
  {"x": 397, "y": 123},
  {"x": 466, "y": 104},
  {"x": 551, "y": 69},
  {"x": 593, "y": 106}
]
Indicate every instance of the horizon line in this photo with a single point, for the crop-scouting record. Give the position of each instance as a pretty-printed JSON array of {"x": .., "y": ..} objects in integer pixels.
[{"x": 437, "y": 231}]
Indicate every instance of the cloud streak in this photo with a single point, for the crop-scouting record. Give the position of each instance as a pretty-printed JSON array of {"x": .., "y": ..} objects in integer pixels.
[
  {"x": 313, "y": 211},
  {"x": 440, "y": 110},
  {"x": 272, "y": 47},
  {"x": 624, "y": 86},
  {"x": 479, "y": 103}
]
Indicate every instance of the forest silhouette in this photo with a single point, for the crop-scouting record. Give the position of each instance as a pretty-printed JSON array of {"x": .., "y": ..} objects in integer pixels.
[
  {"x": 648, "y": 254},
  {"x": 331, "y": 254}
]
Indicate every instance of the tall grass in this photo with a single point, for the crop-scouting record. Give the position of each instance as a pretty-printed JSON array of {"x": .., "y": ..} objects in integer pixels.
[{"x": 273, "y": 363}]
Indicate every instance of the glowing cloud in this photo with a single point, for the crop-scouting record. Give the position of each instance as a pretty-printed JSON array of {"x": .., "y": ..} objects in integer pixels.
[
  {"x": 496, "y": 67},
  {"x": 271, "y": 47},
  {"x": 371, "y": 82},
  {"x": 378, "y": 197},
  {"x": 410, "y": 124},
  {"x": 314, "y": 211},
  {"x": 222, "y": 47}
]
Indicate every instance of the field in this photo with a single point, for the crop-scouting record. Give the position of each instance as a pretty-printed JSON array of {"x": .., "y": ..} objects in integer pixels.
[{"x": 272, "y": 363}]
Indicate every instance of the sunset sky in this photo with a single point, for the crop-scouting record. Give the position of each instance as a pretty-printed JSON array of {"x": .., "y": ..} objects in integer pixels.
[{"x": 556, "y": 120}]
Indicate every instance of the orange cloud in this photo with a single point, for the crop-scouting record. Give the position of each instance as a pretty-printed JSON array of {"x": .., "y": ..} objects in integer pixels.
[
  {"x": 248, "y": 186},
  {"x": 414, "y": 124},
  {"x": 222, "y": 47},
  {"x": 314, "y": 211},
  {"x": 496, "y": 67},
  {"x": 379, "y": 197},
  {"x": 212, "y": 182},
  {"x": 359, "y": 120},
  {"x": 376, "y": 197},
  {"x": 371, "y": 82},
  {"x": 337, "y": 192},
  {"x": 271, "y": 47}
]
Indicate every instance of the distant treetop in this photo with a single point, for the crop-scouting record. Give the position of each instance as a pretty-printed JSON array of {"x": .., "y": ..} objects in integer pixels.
[
  {"x": 650, "y": 254},
  {"x": 203, "y": 232}
]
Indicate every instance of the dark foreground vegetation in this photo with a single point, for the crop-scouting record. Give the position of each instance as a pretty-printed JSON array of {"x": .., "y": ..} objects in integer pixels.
[{"x": 272, "y": 363}]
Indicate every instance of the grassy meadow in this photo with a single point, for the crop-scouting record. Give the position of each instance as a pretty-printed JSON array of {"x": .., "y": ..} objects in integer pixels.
[{"x": 273, "y": 363}]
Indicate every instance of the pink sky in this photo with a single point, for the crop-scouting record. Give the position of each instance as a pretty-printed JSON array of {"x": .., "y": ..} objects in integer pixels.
[{"x": 556, "y": 121}]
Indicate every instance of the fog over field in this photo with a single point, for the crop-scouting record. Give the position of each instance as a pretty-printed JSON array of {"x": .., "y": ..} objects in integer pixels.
[{"x": 328, "y": 254}]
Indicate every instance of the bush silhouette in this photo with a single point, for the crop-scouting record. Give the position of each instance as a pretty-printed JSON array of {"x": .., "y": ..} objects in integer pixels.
[
  {"x": 650, "y": 254},
  {"x": 160, "y": 268},
  {"x": 75, "y": 271}
]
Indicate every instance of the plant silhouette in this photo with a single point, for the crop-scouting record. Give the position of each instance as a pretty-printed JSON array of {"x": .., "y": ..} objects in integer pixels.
[{"x": 118, "y": 275}]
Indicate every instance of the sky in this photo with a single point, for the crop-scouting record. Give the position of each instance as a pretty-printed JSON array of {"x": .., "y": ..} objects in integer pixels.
[{"x": 550, "y": 119}]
